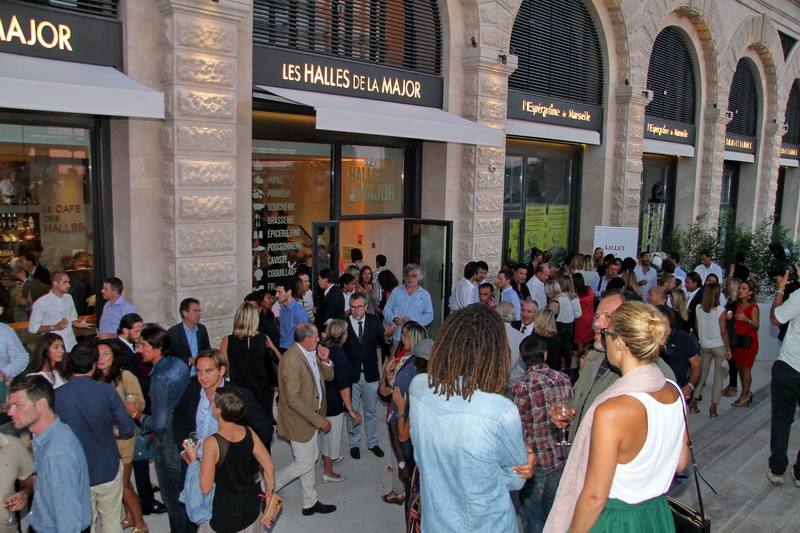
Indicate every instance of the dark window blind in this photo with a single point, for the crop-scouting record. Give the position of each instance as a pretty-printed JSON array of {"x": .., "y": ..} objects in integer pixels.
[
  {"x": 792, "y": 117},
  {"x": 787, "y": 43},
  {"x": 559, "y": 51},
  {"x": 743, "y": 101},
  {"x": 399, "y": 33},
  {"x": 670, "y": 76},
  {"x": 101, "y": 8}
]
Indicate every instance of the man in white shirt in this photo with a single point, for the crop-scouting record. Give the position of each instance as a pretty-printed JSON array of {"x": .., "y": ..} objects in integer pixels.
[
  {"x": 55, "y": 311},
  {"x": 707, "y": 267},
  {"x": 465, "y": 293},
  {"x": 536, "y": 286},
  {"x": 646, "y": 275},
  {"x": 785, "y": 387}
]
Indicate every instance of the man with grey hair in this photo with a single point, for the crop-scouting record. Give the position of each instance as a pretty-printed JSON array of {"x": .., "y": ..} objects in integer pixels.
[
  {"x": 508, "y": 314},
  {"x": 408, "y": 302},
  {"x": 301, "y": 412},
  {"x": 527, "y": 312}
]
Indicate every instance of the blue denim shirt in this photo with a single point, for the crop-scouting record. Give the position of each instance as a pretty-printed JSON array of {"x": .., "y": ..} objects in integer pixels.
[
  {"x": 417, "y": 306},
  {"x": 292, "y": 315},
  {"x": 465, "y": 451},
  {"x": 113, "y": 313},
  {"x": 168, "y": 380},
  {"x": 61, "y": 501}
]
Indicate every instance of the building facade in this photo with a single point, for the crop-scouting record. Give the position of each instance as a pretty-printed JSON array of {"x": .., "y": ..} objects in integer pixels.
[{"x": 213, "y": 145}]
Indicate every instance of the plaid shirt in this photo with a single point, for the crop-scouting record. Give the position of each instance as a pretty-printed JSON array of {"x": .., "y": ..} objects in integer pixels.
[{"x": 533, "y": 394}]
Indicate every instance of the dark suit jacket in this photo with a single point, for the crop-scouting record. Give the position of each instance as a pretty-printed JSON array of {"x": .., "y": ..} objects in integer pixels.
[
  {"x": 40, "y": 273},
  {"x": 331, "y": 306},
  {"x": 180, "y": 344},
  {"x": 184, "y": 421},
  {"x": 130, "y": 356},
  {"x": 517, "y": 325},
  {"x": 363, "y": 355}
]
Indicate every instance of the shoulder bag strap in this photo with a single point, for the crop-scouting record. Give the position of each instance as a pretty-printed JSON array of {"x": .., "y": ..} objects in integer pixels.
[{"x": 697, "y": 475}]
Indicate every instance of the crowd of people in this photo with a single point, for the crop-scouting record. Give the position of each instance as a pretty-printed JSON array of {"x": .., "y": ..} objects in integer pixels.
[{"x": 569, "y": 384}]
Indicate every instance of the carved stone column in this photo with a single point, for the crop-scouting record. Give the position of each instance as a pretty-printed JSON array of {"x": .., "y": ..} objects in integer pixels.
[
  {"x": 485, "y": 101},
  {"x": 200, "y": 70},
  {"x": 626, "y": 186},
  {"x": 768, "y": 173},
  {"x": 710, "y": 186}
]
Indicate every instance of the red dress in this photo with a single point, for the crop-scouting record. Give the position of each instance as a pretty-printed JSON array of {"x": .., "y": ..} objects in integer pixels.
[
  {"x": 583, "y": 325},
  {"x": 745, "y": 357}
]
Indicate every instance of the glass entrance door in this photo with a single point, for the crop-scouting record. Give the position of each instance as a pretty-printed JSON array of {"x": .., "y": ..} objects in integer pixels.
[{"x": 429, "y": 243}]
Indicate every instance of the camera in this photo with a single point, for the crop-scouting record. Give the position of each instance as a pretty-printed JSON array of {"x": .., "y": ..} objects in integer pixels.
[{"x": 783, "y": 260}]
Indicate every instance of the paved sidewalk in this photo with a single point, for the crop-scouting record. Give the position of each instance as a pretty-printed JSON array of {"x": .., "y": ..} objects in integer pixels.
[{"x": 731, "y": 451}]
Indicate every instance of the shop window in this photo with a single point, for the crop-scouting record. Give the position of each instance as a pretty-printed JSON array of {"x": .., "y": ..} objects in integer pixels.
[
  {"x": 371, "y": 181},
  {"x": 540, "y": 189},
  {"x": 559, "y": 51},
  {"x": 291, "y": 190},
  {"x": 404, "y": 34},
  {"x": 45, "y": 207}
]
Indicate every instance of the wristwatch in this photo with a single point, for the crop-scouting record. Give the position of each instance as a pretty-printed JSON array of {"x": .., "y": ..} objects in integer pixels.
[{"x": 401, "y": 464}]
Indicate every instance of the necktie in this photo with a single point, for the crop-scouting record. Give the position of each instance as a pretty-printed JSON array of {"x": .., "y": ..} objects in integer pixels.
[
  {"x": 360, "y": 331},
  {"x": 523, "y": 328}
]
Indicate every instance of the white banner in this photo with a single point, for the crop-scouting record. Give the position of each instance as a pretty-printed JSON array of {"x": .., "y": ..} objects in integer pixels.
[{"x": 621, "y": 242}]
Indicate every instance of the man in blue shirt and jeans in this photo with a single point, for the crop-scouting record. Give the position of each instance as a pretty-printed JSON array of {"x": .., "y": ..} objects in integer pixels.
[
  {"x": 94, "y": 411},
  {"x": 168, "y": 380},
  {"x": 61, "y": 484}
]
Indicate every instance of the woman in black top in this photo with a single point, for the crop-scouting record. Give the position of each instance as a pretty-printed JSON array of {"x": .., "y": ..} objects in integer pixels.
[
  {"x": 740, "y": 271},
  {"x": 228, "y": 460},
  {"x": 250, "y": 365}
]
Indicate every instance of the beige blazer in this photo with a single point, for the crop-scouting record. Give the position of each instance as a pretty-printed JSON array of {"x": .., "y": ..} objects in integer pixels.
[{"x": 298, "y": 415}]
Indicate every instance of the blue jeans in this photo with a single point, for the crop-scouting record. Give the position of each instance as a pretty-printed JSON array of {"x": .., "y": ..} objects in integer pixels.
[
  {"x": 168, "y": 469},
  {"x": 536, "y": 498},
  {"x": 365, "y": 394},
  {"x": 785, "y": 390}
]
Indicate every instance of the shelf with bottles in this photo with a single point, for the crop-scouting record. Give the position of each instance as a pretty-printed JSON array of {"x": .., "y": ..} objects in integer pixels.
[{"x": 17, "y": 222}]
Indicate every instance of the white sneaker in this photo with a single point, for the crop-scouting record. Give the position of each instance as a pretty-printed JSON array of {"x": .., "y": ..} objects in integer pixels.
[
  {"x": 777, "y": 479},
  {"x": 330, "y": 479}
]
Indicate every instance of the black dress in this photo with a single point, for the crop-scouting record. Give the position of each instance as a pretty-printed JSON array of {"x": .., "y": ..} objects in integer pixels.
[
  {"x": 236, "y": 504},
  {"x": 250, "y": 367}
]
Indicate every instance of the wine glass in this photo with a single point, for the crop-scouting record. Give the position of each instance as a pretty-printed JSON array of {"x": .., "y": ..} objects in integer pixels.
[
  {"x": 193, "y": 439},
  {"x": 8, "y": 501},
  {"x": 562, "y": 416}
]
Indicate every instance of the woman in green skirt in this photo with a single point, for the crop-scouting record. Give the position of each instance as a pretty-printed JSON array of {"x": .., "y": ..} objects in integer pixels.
[{"x": 638, "y": 439}]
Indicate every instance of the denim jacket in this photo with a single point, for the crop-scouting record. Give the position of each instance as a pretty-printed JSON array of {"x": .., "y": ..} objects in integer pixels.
[
  {"x": 168, "y": 380},
  {"x": 465, "y": 451}
]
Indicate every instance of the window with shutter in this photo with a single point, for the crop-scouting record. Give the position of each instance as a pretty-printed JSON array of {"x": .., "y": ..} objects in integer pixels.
[
  {"x": 559, "y": 51},
  {"x": 671, "y": 77},
  {"x": 792, "y": 117},
  {"x": 404, "y": 34},
  {"x": 743, "y": 101}
]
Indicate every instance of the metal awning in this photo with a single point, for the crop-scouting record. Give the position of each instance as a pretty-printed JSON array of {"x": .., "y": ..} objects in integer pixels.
[
  {"x": 374, "y": 117},
  {"x": 38, "y": 84}
]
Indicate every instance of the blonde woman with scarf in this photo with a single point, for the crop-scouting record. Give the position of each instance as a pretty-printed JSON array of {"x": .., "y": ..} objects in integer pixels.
[{"x": 631, "y": 441}]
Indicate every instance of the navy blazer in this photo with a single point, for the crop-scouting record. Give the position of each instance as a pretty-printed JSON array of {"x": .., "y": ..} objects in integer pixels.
[
  {"x": 331, "y": 306},
  {"x": 184, "y": 421},
  {"x": 180, "y": 344},
  {"x": 363, "y": 355}
]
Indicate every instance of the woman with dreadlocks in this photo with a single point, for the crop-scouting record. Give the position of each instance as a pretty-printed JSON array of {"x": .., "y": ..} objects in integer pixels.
[{"x": 467, "y": 436}]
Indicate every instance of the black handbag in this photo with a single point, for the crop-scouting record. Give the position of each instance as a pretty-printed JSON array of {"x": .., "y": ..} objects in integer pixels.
[
  {"x": 688, "y": 519},
  {"x": 741, "y": 341}
]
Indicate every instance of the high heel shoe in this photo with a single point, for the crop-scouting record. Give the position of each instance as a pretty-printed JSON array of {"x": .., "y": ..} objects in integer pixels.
[
  {"x": 712, "y": 412},
  {"x": 730, "y": 392},
  {"x": 693, "y": 406},
  {"x": 744, "y": 403}
]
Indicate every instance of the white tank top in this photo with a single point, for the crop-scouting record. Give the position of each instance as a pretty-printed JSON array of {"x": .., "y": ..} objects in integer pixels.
[{"x": 650, "y": 473}]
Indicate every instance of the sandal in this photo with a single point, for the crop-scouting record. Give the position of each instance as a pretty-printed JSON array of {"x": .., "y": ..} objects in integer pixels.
[
  {"x": 141, "y": 530},
  {"x": 730, "y": 392},
  {"x": 126, "y": 524},
  {"x": 394, "y": 498},
  {"x": 693, "y": 406}
]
